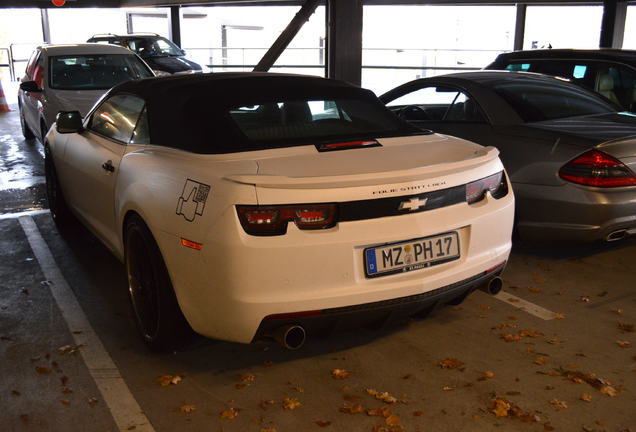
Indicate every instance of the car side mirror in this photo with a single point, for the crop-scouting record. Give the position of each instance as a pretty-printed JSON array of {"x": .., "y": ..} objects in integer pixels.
[
  {"x": 30, "y": 86},
  {"x": 68, "y": 122}
]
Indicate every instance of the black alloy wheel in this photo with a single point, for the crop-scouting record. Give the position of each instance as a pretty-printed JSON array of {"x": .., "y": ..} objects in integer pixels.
[
  {"x": 154, "y": 304},
  {"x": 26, "y": 132}
]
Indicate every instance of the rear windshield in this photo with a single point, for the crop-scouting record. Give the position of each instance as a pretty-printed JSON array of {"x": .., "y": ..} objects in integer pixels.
[
  {"x": 539, "y": 100},
  {"x": 304, "y": 120},
  {"x": 95, "y": 72}
]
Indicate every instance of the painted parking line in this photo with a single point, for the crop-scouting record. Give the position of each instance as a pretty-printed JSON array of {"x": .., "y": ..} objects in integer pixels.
[
  {"x": 525, "y": 306},
  {"x": 19, "y": 215},
  {"x": 124, "y": 408}
]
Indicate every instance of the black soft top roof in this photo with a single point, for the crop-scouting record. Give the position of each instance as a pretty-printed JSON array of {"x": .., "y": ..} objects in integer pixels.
[
  {"x": 191, "y": 111},
  {"x": 628, "y": 56}
]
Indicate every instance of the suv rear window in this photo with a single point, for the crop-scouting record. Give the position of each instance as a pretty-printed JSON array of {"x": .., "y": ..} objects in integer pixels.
[
  {"x": 311, "y": 119},
  {"x": 94, "y": 72}
]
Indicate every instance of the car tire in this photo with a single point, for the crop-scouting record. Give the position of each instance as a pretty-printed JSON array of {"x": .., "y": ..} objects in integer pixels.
[
  {"x": 26, "y": 132},
  {"x": 154, "y": 305},
  {"x": 57, "y": 204},
  {"x": 43, "y": 131}
]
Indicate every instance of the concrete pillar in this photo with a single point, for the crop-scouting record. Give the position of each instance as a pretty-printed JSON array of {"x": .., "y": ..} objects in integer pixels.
[
  {"x": 175, "y": 25},
  {"x": 344, "y": 40},
  {"x": 613, "y": 24},
  {"x": 520, "y": 26}
]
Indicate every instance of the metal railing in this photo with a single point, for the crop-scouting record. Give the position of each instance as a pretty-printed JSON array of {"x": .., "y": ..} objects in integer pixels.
[
  {"x": 7, "y": 62},
  {"x": 377, "y": 59}
]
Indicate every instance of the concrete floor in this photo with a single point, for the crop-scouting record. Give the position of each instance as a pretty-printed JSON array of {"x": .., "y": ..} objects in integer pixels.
[{"x": 448, "y": 371}]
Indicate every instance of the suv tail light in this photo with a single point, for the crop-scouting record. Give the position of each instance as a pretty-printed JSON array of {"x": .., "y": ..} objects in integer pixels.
[
  {"x": 496, "y": 184},
  {"x": 595, "y": 168},
  {"x": 272, "y": 220}
]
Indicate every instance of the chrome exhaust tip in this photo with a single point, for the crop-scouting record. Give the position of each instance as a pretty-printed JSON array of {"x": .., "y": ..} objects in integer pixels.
[
  {"x": 616, "y": 235},
  {"x": 493, "y": 286},
  {"x": 290, "y": 336}
]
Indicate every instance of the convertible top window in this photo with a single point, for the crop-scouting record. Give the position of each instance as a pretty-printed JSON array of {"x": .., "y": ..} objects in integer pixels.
[
  {"x": 538, "y": 101},
  {"x": 311, "y": 119}
]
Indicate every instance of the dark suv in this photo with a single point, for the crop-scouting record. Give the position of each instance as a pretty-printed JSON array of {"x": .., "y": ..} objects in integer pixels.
[
  {"x": 162, "y": 55},
  {"x": 610, "y": 72}
]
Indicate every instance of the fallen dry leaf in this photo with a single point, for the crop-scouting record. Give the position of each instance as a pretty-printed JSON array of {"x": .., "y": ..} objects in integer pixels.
[
  {"x": 451, "y": 363},
  {"x": 392, "y": 420},
  {"x": 484, "y": 307},
  {"x": 553, "y": 341},
  {"x": 269, "y": 430},
  {"x": 187, "y": 409},
  {"x": 384, "y": 411},
  {"x": 339, "y": 374},
  {"x": 43, "y": 370},
  {"x": 247, "y": 377},
  {"x": 586, "y": 397},
  {"x": 585, "y": 299},
  {"x": 559, "y": 404},
  {"x": 617, "y": 311},
  {"x": 626, "y": 328},
  {"x": 167, "y": 380},
  {"x": 608, "y": 390},
  {"x": 68, "y": 349},
  {"x": 448, "y": 388},
  {"x": 488, "y": 375},
  {"x": 539, "y": 280},
  {"x": 322, "y": 423},
  {"x": 418, "y": 413},
  {"x": 530, "y": 333},
  {"x": 510, "y": 337},
  {"x": 623, "y": 343},
  {"x": 501, "y": 407},
  {"x": 383, "y": 396},
  {"x": 557, "y": 315},
  {"x": 291, "y": 403},
  {"x": 268, "y": 363},
  {"x": 67, "y": 390},
  {"x": 65, "y": 402},
  {"x": 229, "y": 414},
  {"x": 534, "y": 290},
  {"x": 91, "y": 401},
  {"x": 540, "y": 361},
  {"x": 351, "y": 409}
]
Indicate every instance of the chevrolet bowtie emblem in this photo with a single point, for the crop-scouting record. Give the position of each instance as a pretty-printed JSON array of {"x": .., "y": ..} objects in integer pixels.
[{"x": 412, "y": 204}]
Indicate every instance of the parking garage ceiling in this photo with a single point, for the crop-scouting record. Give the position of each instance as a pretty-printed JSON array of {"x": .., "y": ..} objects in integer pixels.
[{"x": 151, "y": 3}]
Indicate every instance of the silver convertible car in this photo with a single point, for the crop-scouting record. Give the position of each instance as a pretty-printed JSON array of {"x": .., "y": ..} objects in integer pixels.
[
  {"x": 570, "y": 155},
  {"x": 247, "y": 205}
]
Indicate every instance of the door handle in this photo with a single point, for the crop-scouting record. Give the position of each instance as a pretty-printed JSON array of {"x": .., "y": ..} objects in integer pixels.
[{"x": 108, "y": 166}]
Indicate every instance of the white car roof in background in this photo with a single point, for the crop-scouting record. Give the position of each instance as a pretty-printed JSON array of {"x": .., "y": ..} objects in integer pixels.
[{"x": 87, "y": 48}]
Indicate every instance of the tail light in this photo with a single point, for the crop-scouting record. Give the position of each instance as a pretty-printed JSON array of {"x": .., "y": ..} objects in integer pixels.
[
  {"x": 495, "y": 183},
  {"x": 272, "y": 220},
  {"x": 595, "y": 168}
]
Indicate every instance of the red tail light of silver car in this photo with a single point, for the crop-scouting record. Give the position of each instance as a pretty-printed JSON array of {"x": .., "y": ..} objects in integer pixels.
[{"x": 595, "y": 168}]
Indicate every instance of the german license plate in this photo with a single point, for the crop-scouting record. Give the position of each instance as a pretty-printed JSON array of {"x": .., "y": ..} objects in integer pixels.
[{"x": 411, "y": 255}]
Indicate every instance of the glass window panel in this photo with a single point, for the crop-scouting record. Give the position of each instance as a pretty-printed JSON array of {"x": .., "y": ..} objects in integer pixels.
[
  {"x": 116, "y": 117},
  {"x": 563, "y": 27}
]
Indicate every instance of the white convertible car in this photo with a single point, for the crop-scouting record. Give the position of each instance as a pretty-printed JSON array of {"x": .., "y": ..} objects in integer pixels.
[{"x": 248, "y": 205}]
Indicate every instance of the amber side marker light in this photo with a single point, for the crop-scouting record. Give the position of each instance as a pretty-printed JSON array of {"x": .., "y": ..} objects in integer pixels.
[{"x": 191, "y": 244}]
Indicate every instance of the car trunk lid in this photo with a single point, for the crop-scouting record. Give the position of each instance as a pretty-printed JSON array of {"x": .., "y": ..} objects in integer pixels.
[{"x": 396, "y": 160}]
